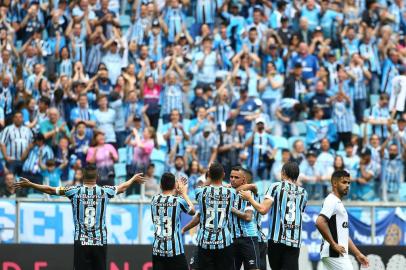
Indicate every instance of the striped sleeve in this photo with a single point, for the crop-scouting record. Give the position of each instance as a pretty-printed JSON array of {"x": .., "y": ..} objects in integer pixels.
[
  {"x": 183, "y": 205},
  {"x": 111, "y": 191}
]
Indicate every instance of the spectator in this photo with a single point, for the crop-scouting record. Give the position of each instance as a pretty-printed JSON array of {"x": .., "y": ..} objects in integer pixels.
[
  {"x": 379, "y": 116},
  {"x": 278, "y": 164},
  {"x": 205, "y": 147},
  {"x": 14, "y": 141},
  {"x": 83, "y": 113},
  {"x": 310, "y": 175},
  {"x": 244, "y": 110},
  {"x": 295, "y": 85},
  {"x": 321, "y": 100},
  {"x": 367, "y": 172},
  {"x": 298, "y": 151},
  {"x": 152, "y": 184},
  {"x": 31, "y": 169},
  {"x": 230, "y": 146},
  {"x": 104, "y": 156},
  {"x": 392, "y": 171},
  {"x": 54, "y": 128},
  {"x": 51, "y": 172},
  {"x": 7, "y": 190},
  {"x": 105, "y": 119},
  {"x": 174, "y": 131},
  {"x": 261, "y": 151},
  {"x": 142, "y": 149},
  {"x": 351, "y": 160},
  {"x": 343, "y": 117}
]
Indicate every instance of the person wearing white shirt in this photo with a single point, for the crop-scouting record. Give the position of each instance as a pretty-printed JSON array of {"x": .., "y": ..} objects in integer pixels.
[
  {"x": 332, "y": 224},
  {"x": 398, "y": 93}
]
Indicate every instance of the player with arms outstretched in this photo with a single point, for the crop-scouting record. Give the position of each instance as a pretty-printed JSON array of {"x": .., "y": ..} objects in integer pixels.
[
  {"x": 89, "y": 203},
  {"x": 286, "y": 202},
  {"x": 168, "y": 252},
  {"x": 332, "y": 223}
]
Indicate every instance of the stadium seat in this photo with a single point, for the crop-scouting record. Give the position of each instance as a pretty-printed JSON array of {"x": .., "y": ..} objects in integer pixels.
[
  {"x": 159, "y": 168},
  {"x": 35, "y": 196},
  {"x": 278, "y": 156},
  {"x": 125, "y": 22},
  {"x": 356, "y": 129},
  {"x": 122, "y": 155},
  {"x": 157, "y": 155},
  {"x": 280, "y": 142},
  {"x": 120, "y": 170},
  {"x": 301, "y": 127},
  {"x": 375, "y": 262}
]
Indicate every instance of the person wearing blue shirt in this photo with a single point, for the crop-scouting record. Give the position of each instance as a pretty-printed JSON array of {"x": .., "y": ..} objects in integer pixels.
[
  {"x": 321, "y": 100},
  {"x": 244, "y": 110},
  {"x": 274, "y": 57},
  {"x": 270, "y": 88},
  {"x": 236, "y": 22},
  {"x": 51, "y": 173},
  {"x": 329, "y": 14},
  {"x": 367, "y": 172},
  {"x": 368, "y": 50},
  {"x": 312, "y": 13},
  {"x": 310, "y": 175},
  {"x": 389, "y": 71},
  {"x": 83, "y": 113},
  {"x": 276, "y": 15},
  {"x": 379, "y": 116},
  {"x": 317, "y": 129},
  {"x": 351, "y": 42},
  {"x": 174, "y": 19},
  {"x": 310, "y": 64},
  {"x": 392, "y": 171},
  {"x": 244, "y": 229},
  {"x": 261, "y": 150}
]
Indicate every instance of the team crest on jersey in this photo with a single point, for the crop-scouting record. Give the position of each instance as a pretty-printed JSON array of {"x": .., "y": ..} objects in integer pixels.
[{"x": 345, "y": 224}]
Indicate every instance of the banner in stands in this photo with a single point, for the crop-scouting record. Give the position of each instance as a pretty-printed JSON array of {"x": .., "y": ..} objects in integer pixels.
[{"x": 51, "y": 223}]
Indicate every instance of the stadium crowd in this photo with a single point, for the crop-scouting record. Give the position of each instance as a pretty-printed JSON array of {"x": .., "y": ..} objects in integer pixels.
[{"x": 153, "y": 85}]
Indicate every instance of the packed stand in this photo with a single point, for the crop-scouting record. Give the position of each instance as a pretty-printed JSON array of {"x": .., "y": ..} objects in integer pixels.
[{"x": 153, "y": 85}]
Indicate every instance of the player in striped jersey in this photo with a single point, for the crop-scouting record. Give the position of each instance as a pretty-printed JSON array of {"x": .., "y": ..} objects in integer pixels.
[
  {"x": 332, "y": 223},
  {"x": 168, "y": 252},
  {"x": 286, "y": 201},
  {"x": 243, "y": 226},
  {"x": 89, "y": 203},
  {"x": 214, "y": 237},
  {"x": 262, "y": 243}
]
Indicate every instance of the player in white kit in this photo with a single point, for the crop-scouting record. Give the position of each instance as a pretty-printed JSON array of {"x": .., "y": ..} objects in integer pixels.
[{"x": 332, "y": 223}]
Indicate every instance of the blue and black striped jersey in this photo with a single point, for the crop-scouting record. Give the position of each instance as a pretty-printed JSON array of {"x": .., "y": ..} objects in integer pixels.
[
  {"x": 285, "y": 224},
  {"x": 215, "y": 204},
  {"x": 165, "y": 212},
  {"x": 258, "y": 220},
  {"x": 240, "y": 227},
  {"x": 89, "y": 212}
]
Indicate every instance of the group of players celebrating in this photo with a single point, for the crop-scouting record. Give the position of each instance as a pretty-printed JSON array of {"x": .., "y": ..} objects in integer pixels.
[{"x": 229, "y": 219}]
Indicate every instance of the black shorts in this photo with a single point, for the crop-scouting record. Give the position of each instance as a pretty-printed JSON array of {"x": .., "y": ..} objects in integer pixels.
[
  {"x": 246, "y": 251},
  {"x": 263, "y": 250},
  {"x": 194, "y": 260},
  {"x": 169, "y": 263},
  {"x": 89, "y": 257},
  {"x": 216, "y": 259},
  {"x": 284, "y": 257}
]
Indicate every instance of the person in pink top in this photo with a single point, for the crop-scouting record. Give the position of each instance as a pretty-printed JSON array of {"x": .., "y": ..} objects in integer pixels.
[
  {"x": 150, "y": 92},
  {"x": 142, "y": 144},
  {"x": 104, "y": 156}
]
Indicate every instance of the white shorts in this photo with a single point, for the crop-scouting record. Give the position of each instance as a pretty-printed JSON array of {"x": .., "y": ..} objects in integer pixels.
[{"x": 341, "y": 263}]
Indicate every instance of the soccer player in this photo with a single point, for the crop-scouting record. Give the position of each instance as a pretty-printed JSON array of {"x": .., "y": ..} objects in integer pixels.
[
  {"x": 168, "y": 252},
  {"x": 332, "y": 223},
  {"x": 243, "y": 226},
  {"x": 288, "y": 202},
  {"x": 214, "y": 237},
  {"x": 89, "y": 203},
  {"x": 262, "y": 243}
]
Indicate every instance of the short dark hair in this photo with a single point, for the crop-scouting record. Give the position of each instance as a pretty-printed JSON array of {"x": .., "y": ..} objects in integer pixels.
[
  {"x": 248, "y": 176},
  {"x": 216, "y": 171},
  {"x": 291, "y": 170},
  {"x": 90, "y": 172},
  {"x": 45, "y": 100},
  {"x": 167, "y": 181},
  {"x": 50, "y": 162},
  {"x": 338, "y": 174}
]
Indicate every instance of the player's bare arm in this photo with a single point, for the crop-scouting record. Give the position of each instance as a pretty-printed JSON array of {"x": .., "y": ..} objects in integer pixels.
[
  {"x": 137, "y": 178},
  {"x": 25, "y": 183},
  {"x": 193, "y": 223},
  {"x": 181, "y": 188},
  {"x": 251, "y": 187},
  {"x": 246, "y": 216},
  {"x": 361, "y": 258},
  {"x": 263, "y": 207},
  {"x": 322, "y": 226}
]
